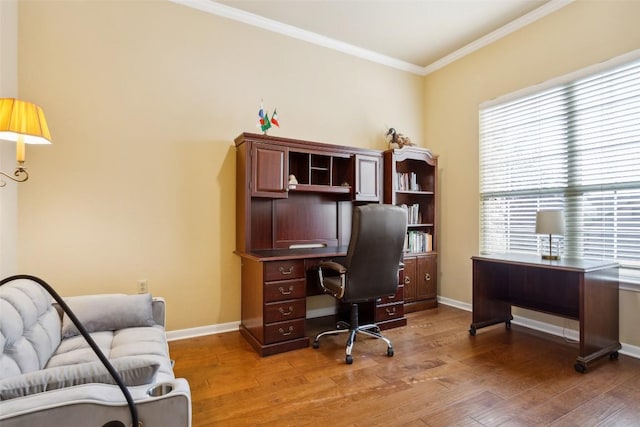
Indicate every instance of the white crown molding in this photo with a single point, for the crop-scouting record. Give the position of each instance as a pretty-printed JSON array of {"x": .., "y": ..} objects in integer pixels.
[
  {"x": 511, "y": 27},
  {"x": 225, "y": 11}
]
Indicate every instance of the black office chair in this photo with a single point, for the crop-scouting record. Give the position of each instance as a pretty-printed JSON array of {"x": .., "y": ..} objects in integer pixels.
[{"x": 370, "y": 270}]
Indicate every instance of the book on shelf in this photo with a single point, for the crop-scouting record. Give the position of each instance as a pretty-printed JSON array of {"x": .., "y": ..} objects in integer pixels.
[
  {"x": 407, "y": 181},
  {"x": 418, "y": 241},
  {"x": 414, "y": 216}
]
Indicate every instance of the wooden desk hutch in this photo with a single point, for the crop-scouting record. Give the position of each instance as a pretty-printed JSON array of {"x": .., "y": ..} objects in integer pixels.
[{"x": 284, "y": 230}]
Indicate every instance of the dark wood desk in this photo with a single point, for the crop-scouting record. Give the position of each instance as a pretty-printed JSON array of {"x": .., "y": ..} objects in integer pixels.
[
  {"x": 275, "y": 284},
  {"x": 583, "y": 290},
  {"x": 292, "y": 194}
]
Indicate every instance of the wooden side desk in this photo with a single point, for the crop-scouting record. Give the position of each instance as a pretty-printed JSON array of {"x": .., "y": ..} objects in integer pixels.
[{"x": 583, "y": 290}]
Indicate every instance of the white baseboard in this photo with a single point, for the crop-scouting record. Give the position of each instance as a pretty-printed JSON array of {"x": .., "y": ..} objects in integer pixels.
[
  {"x": 569, "y": 334},
  {"x": 181, "y": 334},
  {"x": 454, "y": 303},
  {"x": 566, "y": 333}
]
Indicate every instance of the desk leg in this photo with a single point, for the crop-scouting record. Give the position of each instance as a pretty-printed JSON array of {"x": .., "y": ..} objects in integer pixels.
[
  {"x": 490, "y": 295},
  {"x": 599, "y": 317}
]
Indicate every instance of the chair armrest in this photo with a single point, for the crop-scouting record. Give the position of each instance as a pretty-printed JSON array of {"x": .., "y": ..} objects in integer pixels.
[
  {"x": 333, "y": 283},
  {"x": 101, "y": 403},
  {"x": 332, "y": 265},
  {"x": 158, "y": 310}
]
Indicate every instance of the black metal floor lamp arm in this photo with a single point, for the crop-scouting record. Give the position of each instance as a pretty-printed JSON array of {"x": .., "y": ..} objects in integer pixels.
[{"x": 112, "y": 371}]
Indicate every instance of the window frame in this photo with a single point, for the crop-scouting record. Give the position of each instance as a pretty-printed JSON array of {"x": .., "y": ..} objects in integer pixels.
[{"x": 629, "y": 277}]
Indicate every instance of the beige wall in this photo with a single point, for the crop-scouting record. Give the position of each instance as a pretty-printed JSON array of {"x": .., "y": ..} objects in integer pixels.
[
  {"x": 144, "y": 100},
  {"x": 581, "y": 34},
  {"x": 8, "y": 88}
]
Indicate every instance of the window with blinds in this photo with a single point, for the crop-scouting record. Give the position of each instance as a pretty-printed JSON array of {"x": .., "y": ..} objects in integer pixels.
[{"x": 575, "y": 146}]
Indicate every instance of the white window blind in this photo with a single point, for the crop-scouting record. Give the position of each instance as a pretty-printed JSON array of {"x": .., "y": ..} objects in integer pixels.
[{"x": 574, "y": 146}]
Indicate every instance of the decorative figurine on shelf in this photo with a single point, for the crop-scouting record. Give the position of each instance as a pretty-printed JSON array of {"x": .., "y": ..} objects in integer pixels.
[
  {"x": 397, "y": 140},
  {"x": 263, "y": 119},
  {"x": 292, "y": 181}
]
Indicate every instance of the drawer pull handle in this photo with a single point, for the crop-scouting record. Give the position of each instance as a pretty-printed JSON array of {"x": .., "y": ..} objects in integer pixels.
[
  {"x": 407, "y": 280},
  {"x": 283, "y": 292},
  {"x": 283, "y": 333},
  {"x": 286, "y": 272},
  {"x": 391, "y": 311},
  {"x": 427, "y": 277},
  {"x": 288, "y": 313}
]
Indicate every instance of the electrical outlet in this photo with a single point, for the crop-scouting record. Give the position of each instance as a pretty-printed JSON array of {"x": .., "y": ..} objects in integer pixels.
[{"x": 143, "y": 286}]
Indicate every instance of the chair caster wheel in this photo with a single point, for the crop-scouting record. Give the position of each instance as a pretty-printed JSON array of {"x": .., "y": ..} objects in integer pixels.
[
  {"x": 390, "y": 351},
  {"x": 614, "y": 355},
  {"x": 349, "y": 359},
  {"x": 580, "y": 368},
  {"x": 315, "y": 345}
]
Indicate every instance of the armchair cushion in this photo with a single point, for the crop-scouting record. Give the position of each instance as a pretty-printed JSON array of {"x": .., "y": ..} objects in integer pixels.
[
  {"x": 108, "y": 312},
  {"x": 133, "y": 371}
]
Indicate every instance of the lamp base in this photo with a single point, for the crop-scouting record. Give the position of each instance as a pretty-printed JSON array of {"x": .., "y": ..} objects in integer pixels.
[{"x": 551, "y": 257}]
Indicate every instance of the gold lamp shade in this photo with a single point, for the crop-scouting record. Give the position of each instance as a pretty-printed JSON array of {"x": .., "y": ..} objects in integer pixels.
[
  {"x": 24, "y": 123},
  {"x": 23, "y": 119}
]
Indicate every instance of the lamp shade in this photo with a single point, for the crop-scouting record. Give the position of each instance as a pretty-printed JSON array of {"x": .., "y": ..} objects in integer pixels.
[
  {"x": 21, "y": 120},
  {"x": 550, "y": 221}
]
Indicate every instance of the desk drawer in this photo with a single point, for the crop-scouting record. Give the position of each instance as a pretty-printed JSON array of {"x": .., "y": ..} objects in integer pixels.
[
  {"x": 398, "y": 297},
  {"x": 285, "y": 310},
  {"x": 283, "y": 331},
  {"x": 389, "y": 311},
  {"x": 283, "y": 270},
  {"x": 284, "y": 290}
]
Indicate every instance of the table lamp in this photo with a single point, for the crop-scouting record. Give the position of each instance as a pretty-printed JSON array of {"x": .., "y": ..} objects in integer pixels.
[
  {"x": 550, "y": 221},
  {"x": 24, "y": 123}
]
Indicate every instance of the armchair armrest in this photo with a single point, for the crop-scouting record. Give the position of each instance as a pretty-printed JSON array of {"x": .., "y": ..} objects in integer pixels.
[
  {"x": 159, "y": 310},
  {"x": 101, "y": 403},
  {"x": 335, "y": 283},
  {"x": 332, "y": 265}
]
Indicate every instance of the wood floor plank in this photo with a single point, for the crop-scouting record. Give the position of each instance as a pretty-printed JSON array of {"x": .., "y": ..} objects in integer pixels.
[{"x": 439, "y": 376}]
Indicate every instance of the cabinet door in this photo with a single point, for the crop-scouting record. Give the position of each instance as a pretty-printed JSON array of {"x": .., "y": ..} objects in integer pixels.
[
  {"x": 367, "y": 179},
  {"x": 409, "y": 279},
  {"x": 270, "y": 171},
  {"x": 427, "y": 284}
]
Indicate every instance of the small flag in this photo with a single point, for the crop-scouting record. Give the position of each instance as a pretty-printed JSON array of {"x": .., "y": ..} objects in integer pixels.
[
  {"x": 274, "y": 118},
  {"x": 266, "y": 123},
  {"x": 260, "y": 116}
]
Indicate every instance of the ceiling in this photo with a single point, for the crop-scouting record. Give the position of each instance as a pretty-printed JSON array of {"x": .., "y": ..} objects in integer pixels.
[{"x": 415, "y": 35}]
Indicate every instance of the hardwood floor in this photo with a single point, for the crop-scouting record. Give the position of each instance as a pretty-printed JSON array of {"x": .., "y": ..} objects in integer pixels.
[{"x": 439, "y": 376}]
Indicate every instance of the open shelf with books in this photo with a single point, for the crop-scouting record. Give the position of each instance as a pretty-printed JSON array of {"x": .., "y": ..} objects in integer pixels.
[{"x": 411, "y": 182}]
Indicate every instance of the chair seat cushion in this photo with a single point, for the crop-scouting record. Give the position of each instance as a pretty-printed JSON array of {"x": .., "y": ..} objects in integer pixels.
[
  {"x": 132, "y": 370},
  {"x": 146, "y": 342}
]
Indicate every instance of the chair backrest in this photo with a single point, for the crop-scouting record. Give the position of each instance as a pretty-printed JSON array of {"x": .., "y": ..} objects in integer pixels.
[
  {"x": 29, "y": 328},
  {"x": 375, "y": 251}
]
